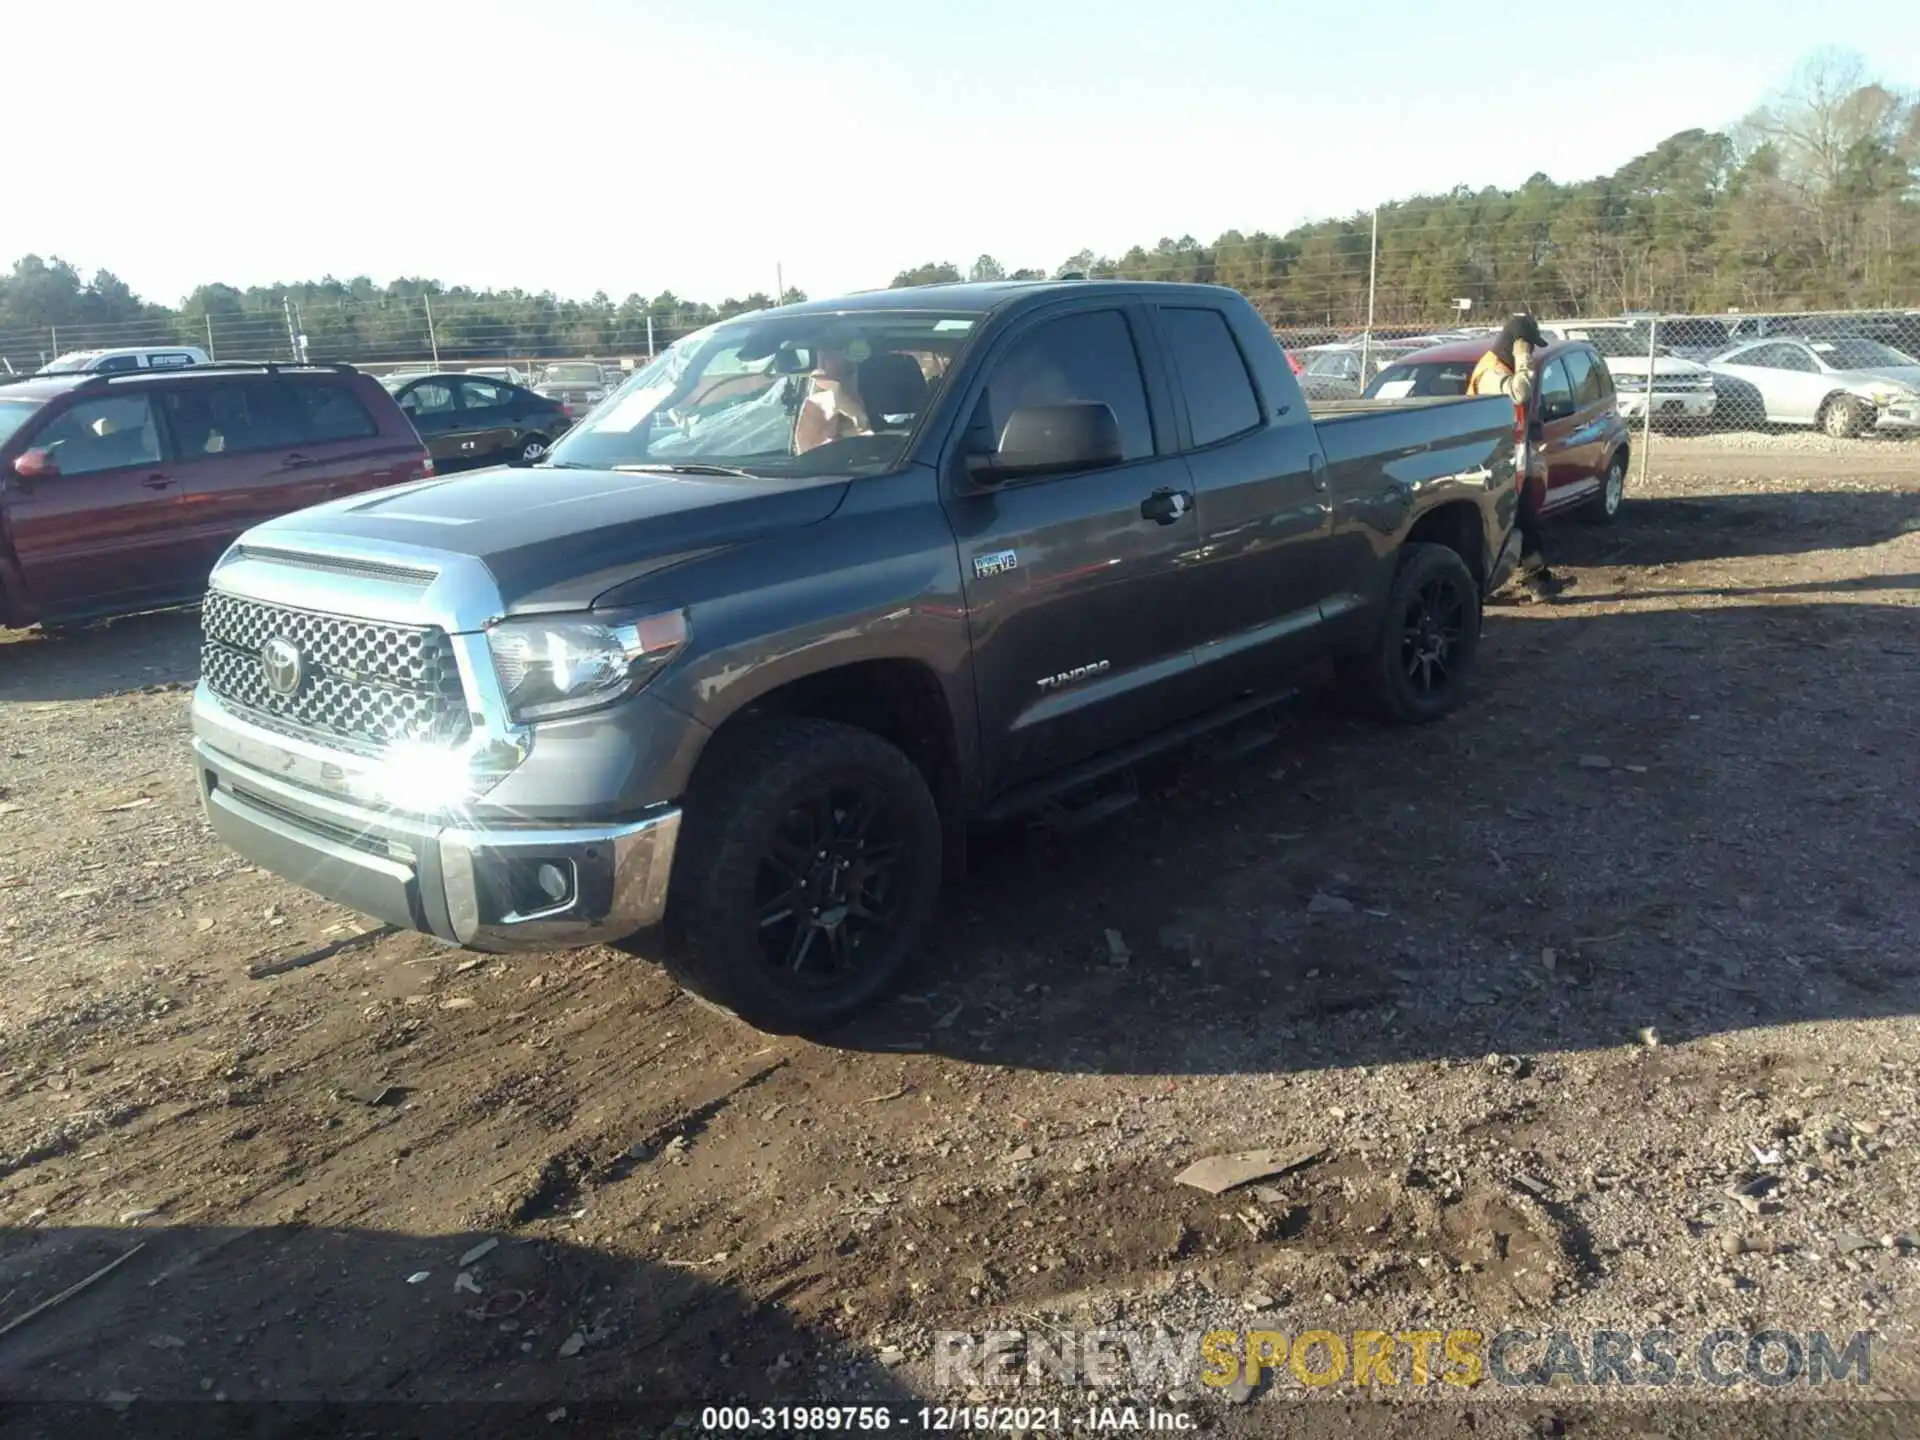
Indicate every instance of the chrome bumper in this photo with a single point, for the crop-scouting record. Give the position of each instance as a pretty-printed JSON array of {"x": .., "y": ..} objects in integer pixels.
[{"x": 466, "y": 877}]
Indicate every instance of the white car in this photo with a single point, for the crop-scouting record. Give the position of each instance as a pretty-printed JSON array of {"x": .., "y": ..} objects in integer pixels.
[
  {"x": 1846, "y": 387},
  {"x": 126, "y": 357},
  {"x": 1681, "y": 390}
]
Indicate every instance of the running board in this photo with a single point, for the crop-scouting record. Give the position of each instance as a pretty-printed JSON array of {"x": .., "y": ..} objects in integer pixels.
[{"x": 1039, "y": 794}]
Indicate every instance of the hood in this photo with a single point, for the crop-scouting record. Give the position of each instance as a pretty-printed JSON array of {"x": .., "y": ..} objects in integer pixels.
[
  {"x": 556, "y": 539},
  {"x": 1662, "y": 365},
  {"x": 1906, "y": 376}
]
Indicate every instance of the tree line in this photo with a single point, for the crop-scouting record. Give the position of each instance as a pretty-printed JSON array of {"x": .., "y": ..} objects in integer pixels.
[{"x": 1810, "y": 202}]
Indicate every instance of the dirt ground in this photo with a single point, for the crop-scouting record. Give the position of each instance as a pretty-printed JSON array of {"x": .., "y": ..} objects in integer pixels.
[{"x": 1541, "y": 984}]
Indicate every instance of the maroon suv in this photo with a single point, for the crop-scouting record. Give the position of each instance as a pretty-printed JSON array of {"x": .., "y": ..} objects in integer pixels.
[{"x": 119, "y": 492}]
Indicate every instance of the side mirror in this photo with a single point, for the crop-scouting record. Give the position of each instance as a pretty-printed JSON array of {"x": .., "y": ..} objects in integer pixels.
[
  {"x": 1051, "y": 440},
  {"x": 36, "y": 465},
  {"x": 1536, "y": 432},
  {"x": 1556, "y": 410}
]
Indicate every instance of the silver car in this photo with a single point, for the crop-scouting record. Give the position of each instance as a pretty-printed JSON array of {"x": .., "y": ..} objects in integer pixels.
[
  {"x": 1332, "y": 372},
  {"x": 1846, "y": 387}
]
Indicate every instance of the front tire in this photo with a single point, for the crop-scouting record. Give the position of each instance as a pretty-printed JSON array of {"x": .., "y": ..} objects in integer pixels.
[
  {"x": 809, "y": 865},
  {"x": 1420, "y": 665},
  {"x": 1845, "y": 418},
  {"x": 1604, "y": 508}
]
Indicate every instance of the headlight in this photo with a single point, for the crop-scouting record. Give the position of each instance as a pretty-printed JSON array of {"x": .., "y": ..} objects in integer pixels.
[
  {"x": 1888, "y": 395},
  {"x": 595, "y": 396},
  {"x": 563, "y": 664}
]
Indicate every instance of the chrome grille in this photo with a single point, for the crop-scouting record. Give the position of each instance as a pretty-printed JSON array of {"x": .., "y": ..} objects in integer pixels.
[{"x": 367, "y": 682}]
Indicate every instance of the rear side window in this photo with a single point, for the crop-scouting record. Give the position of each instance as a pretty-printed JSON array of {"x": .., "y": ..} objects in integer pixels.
[
  {"x": 1220, "y": 398},
  {"x": 332, "y": 412},
  {"x": 169, "y": 360},
  {"x": 1085, "y": 358},
  {"x": 114, "y": 364},
  {"x": 483, "y": 395},
  {"x": 233, "y": 417}
]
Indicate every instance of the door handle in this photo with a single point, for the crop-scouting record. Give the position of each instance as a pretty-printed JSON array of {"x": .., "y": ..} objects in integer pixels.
[
  {"x": 1164, "y": 507},
  {"x": 157, "y": 482}
]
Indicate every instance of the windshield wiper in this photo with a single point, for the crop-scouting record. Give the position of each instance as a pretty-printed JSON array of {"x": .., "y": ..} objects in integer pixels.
[{"x": 727, "y": 470}]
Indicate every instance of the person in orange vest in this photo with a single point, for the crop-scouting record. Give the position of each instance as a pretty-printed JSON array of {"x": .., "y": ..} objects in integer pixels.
[{"x": 1507, "y": 369}]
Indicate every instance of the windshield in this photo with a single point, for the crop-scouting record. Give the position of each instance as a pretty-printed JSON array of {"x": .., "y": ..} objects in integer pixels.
[
  {"x": 1863, "y": 355},
  {"x": 72, "y": 364},
  {"x": 572, "y": 375},
  {"x": 815, "y": 394},
  {"x": 1434, "y": 377},
  {"x": 14, "y": 414}
]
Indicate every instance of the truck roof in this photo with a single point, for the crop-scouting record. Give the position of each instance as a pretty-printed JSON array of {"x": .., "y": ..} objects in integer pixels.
[{"x": 985, "y": 296}]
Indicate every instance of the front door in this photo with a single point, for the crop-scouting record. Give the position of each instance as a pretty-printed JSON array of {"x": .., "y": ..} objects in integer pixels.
[
  {"x": 1079, "y": 586},
  {"x": 109, "y": 527},
  {"x": 1582, "y": 451}
]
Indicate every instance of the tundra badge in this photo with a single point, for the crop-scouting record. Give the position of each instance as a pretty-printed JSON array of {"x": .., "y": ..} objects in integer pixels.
[
  {"x": 1079, "y": 672},
  {"x": 997, "y": 563}
]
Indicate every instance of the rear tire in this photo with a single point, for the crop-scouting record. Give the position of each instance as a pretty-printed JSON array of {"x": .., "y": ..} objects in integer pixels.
[
  {"x": 1604, "y": 508},
  {"x": 531, "y": 448},
  {"x": 808, "y": 869},
  {"x": 1845, "y": 418},
  {"x": 1422, "y": 662}
]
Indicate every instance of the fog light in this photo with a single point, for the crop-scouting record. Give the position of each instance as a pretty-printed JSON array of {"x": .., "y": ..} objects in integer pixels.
[{"x": 552, "y": 882}]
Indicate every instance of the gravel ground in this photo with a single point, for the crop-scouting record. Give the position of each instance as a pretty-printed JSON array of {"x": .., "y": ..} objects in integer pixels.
[{"x": 1592, "y": 1008}]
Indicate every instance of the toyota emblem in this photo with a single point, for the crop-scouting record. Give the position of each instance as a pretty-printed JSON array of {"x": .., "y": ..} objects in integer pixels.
[{"x": 282, "y": 666}]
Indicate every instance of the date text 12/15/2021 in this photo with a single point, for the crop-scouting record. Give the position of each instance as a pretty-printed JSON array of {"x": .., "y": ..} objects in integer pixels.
[{"x": 941, "y": 1419}]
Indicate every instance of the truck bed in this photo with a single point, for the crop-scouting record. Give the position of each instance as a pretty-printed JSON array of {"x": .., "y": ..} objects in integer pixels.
[{"x": 1468, "y": 431}]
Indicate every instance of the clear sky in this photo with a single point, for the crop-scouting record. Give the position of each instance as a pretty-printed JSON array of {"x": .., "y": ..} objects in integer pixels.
[{"x": 631, "y": 145}]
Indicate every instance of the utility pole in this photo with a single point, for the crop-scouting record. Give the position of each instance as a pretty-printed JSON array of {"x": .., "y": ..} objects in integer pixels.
[
  {"x": 433, "y": 341},
  {"x": 1373, "y": 271},
  {"x": 779, "y": 284},
  {"x": 293, "y": 342}
]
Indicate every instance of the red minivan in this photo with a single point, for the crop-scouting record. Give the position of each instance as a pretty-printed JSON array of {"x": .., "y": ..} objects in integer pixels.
[
  {"x": 119, "y": 492},
  {"x": 1577, "y": 433}
]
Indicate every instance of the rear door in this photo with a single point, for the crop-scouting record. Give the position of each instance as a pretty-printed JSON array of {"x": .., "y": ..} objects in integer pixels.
[
  {"x": 487, "y": 429},
  {"x": 1260, "y": 495},
  {"x": 244, "y": 454},
  {"x": 434, "y": 408},
  {"x": 112, "y": 528},
  {"x": 1080, "y": 586}
]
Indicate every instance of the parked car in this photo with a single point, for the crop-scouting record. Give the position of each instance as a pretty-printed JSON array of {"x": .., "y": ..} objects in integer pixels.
[
  {"x": 1578, "y": 442},
  {"x": 118, "y": 491},
  {"x": 1846, "y": 387},
  {"x": 469, "y": 420},
  {"x": 509, "y": 373},
  {"x": 577, "y": 385},
  {"x": 690, "y": 674},
  {"x": 1680, "y": 392},
  {"x": 1691, "y": 337},
  {"x": 125, "y": 357},
  {"x": 1333, "y": 372}
]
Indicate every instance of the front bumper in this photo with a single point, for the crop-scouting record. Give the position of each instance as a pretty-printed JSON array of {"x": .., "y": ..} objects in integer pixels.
[
  {"x": 1678, "y": 404},
  {"x": 1903, "y": 416},
  {"x": 467, "y": 877}
]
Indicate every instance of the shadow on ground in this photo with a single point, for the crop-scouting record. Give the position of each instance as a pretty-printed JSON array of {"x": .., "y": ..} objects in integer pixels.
[
  {"x": 110, "y": 657},
  {"x": 288, "y": 1329},
  {"x": 1670, "y": 531},
  {"x": 1706, "y": 816}
]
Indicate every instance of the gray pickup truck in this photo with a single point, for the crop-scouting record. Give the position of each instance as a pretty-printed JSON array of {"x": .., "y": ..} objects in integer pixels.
[{"x": 749, "y": 654}]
